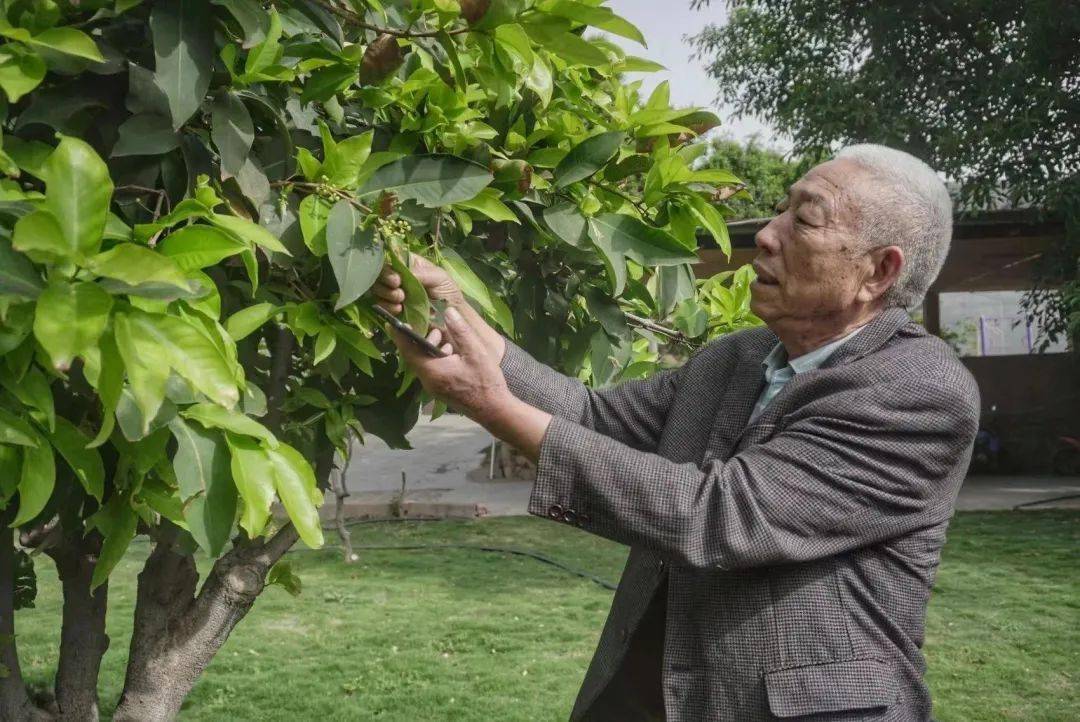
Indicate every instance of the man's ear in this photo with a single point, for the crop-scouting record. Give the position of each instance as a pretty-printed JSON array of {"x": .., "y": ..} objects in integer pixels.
[{"x": 887, "y": 262}]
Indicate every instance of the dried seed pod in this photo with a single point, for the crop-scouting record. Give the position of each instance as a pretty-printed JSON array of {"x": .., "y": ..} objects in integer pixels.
[
  {"x": 474, "y": 10},
  {"x": 387, "y": 204},
  {"x": 381, "y": 58}
]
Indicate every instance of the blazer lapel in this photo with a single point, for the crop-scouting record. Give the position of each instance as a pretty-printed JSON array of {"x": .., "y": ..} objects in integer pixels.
[
  {"x": 870, "y": 339},
  {"x": 739, "y": 398}
]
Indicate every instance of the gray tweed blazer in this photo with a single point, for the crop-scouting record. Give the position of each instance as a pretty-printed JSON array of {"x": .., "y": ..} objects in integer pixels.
[{"x": 798, "y": 552}]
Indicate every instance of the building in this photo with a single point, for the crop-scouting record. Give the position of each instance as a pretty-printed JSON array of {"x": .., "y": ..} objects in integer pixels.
[{"x": 1029, "y": 398}]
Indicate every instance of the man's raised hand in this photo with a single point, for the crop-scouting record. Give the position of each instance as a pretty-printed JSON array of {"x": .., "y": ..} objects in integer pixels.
[{"x": 436, "y": 282}]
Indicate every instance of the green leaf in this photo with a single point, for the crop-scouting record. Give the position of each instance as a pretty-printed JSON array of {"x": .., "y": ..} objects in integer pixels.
[
  {"x": 34, "y": 390},
  {"x": 599, "y": 17},
  {"x": 39, "y": 235},
  {"x": 195, "y": 356},
  {"x": 283, "y": 575},
  {"x": 17, "y": 274},
  {"x": 14, "y": 430},
  {"x": 568, "y": 46},
  {"x": 568, "y": 224},
  {"x": 117, "y": 522},
  {"x": 634, "y": 239},
  {"x": 134, "y": 265},
  {"x": 247, "y": 320},
  {"x": 313, "y": 213},
  {"x": 355, "y": 255},
  {"x": 342, "y": 164},
  {"x": 104, "y": 370},
  {"x": 266, "y": 53},
  {"x": 70, "y": 317},
  {"x": 248, "y": 231},
  {"x": 417, "y": 306},
  {"x": 147, "y": 365},
  {"x": 183, "y": 54},
  {"x": 38, "y": 480},
  {"x": 253, "y": 475},
  {"x": 70, "y": 41},
  {"x": 325, "y": 343},
  {"x": 294, "y": 481},
  {"x": 145, "y": 134},
  {"x": 79, "y": 190},
  {"x": 232, "y": 132},
  {"x": 488, "y": 204},
  {"x": 430, "y": 180},
  {"x": 587, "y": 157},
  {"x": 467, "y": 280},
  {"x": 709, "y": 217},
  {"x": 86, "y": 463},
  {"x": 201, "y": 465},
  {"x": 199, "y": 246},
  {"x": 20, "y": 72},
  {"x": 215, "y": 417}
]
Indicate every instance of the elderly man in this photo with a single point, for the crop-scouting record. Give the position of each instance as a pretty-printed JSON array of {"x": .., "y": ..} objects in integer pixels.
[{"x": 785, "y": 494}]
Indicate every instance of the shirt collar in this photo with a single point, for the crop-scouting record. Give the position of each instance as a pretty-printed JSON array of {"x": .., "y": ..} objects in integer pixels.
[{"x": 778, "y": 358}]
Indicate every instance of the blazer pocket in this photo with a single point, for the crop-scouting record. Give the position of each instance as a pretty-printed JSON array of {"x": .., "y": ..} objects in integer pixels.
[{"x": 856, "y": 684}]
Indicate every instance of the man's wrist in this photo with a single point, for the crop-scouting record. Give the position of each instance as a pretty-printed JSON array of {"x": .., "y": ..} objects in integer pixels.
[{"x": 517, "y": 423}]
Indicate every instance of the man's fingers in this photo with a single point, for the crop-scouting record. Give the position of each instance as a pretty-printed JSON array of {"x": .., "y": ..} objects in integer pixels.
[
  {"x": 434, "y": 336},
  {"x": 389, "y": 277},
  {"x": 462, "y": 335},
  {"x": 385, "y": 293},
  {"x": 447, "y": 349}
]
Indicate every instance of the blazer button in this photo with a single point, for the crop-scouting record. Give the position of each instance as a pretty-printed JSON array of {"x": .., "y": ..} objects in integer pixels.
[
  {"x": 662, "y": 564},
  {"x": 555, "y": 511},
  {"x": 569, "y": 516}
]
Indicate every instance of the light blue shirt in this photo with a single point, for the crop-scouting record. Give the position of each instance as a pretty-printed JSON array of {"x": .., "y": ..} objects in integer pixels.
[{"x": 779, "y": 370}]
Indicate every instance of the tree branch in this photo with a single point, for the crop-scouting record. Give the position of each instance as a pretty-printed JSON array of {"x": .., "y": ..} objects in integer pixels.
[{"x": 650, "y": 325}]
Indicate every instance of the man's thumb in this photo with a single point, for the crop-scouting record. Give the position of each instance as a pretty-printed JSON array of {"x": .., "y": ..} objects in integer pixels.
[{"x": 462, "y": 335}]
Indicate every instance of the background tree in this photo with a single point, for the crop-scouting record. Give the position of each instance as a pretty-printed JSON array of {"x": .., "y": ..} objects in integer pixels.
[
  {"x": 766, "y": 172},
  {"x": 984, "y": 90},
  {"x": 197, "y": 196}
]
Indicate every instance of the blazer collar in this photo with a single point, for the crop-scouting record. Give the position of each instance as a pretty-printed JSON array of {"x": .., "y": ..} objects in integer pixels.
[{"x": 869, "y": 339}]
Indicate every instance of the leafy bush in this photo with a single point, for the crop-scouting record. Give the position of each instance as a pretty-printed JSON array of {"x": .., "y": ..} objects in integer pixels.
[{"x": 199, "y": 194}]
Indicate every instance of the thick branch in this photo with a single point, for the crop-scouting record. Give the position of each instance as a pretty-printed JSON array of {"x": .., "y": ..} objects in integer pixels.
[
  {"x": 649, "y": 325},
  {"x": 281, "y": 348},
  {"x": 177, "y": 634},
  {"x": 83, "y": 640}
]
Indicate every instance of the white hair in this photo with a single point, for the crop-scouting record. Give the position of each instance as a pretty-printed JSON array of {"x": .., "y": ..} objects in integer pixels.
[{"x": 909, "y": 208}]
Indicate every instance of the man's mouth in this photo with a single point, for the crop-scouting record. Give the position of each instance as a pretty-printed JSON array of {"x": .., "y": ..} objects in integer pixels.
[{"x": 764, "y": 277}]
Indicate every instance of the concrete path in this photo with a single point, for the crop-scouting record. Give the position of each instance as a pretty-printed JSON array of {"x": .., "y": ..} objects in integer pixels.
[{"x": 446, "y": 476}]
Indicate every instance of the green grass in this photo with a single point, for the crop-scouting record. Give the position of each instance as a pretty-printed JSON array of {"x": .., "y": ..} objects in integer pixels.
[{"x": 458, "y": 635}]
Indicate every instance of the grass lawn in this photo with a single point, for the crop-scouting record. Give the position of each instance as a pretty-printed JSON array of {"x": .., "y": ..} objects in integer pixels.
[{"x": 460, "y": 635}]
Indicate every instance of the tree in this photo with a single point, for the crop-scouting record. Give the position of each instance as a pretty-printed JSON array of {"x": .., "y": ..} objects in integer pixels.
[
  {"x": 197, "y": 196},
  {"x": 983, "y": 90},
  {"x": 766, "y": 172}
]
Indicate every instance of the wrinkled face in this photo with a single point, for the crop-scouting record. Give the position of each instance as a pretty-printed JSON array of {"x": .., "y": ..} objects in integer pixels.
[{"x": 811, "y": 262}]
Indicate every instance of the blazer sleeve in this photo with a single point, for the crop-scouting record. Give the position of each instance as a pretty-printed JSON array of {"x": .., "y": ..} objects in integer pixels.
[
  {"x": 823, "y": 485},
  {"x": 634, "y": 412}
]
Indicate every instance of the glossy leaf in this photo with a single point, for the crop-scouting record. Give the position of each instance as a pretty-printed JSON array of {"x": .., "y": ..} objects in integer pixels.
[
  {"x": 253, "y": 474},
  {"x": 202, "y": 470},
  {"x": 232, "y": 132},
  {"x": 78, "y": 191},
  {"x": 135, "y": 265},
  {"x": 86, "y": 463},
  {"x": 117, "y": 522},
  {"x": 145, "y": 134},
  {"x": 248, "y": 231},
  {"x": 17, "y": 275},
  {"x": 212, "y": 416},
  {"x": 199, "y": 246},
  {"x": 37, "y": 481},
  {"x": 183, "y": 55},
  {"x": 70, "y": 318},
  {"x": 431, "y": 180},
  {"x": 295, "y": 484},
  {"x": 247, "y": 320},
  {"x": 587, "y": 157},
  {"x": 355, "y": 255}
]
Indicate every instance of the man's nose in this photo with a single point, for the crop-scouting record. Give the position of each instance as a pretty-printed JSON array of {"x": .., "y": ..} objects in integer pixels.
[{"x": 767, "y": 239}]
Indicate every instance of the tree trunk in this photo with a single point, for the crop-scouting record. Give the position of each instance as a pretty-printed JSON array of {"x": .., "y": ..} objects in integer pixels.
[
  {"x": 177, "y": 633},
  {"x": 83, "y": 640},
  {"x": 15, "y": 704}
]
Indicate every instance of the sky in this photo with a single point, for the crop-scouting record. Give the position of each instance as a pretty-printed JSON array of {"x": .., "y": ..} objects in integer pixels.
[{"x": 665, "y": 23}]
